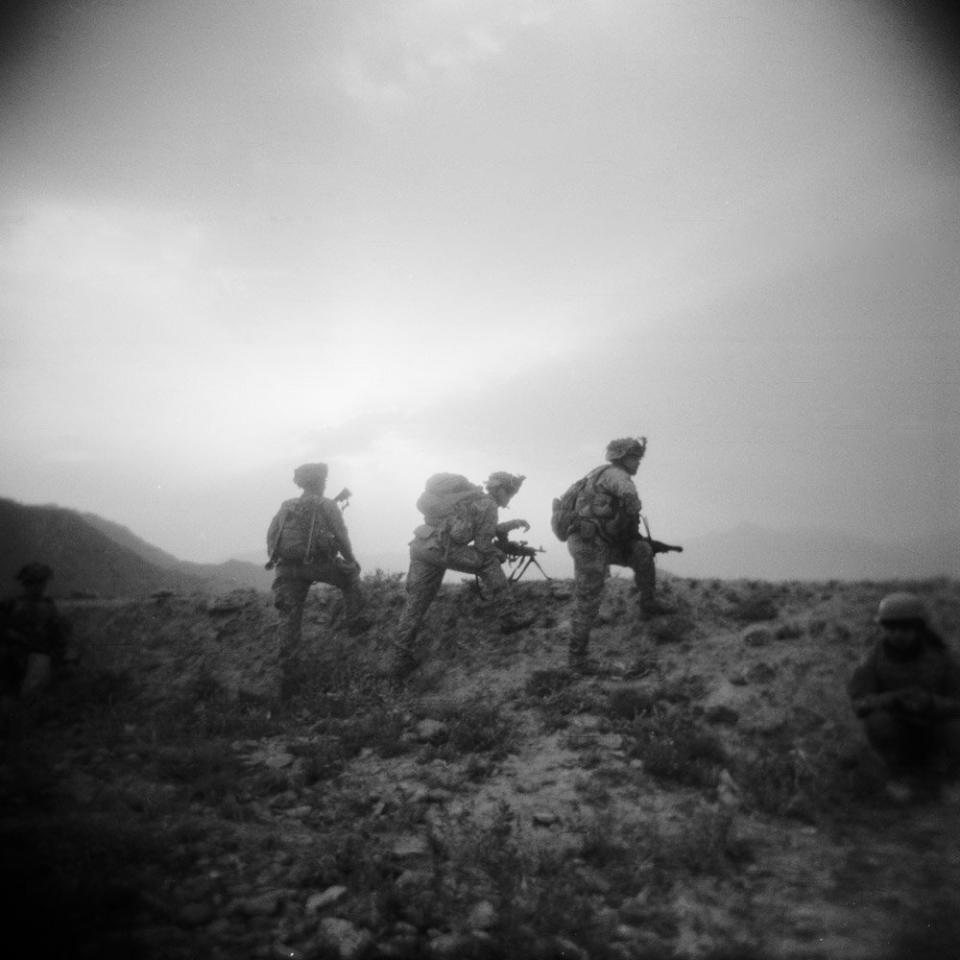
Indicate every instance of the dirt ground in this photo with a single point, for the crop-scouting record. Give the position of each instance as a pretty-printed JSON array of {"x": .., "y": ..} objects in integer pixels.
[{"x": 705, "y": 793}]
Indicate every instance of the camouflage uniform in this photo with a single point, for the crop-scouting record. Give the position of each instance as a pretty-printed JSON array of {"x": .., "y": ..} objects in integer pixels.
[
  {"x": 331, "y": 561},
  {"x": 433, "y": 552},
  {"x": 609, "y": 535},
  {"x": 910, "y": 738},
  {"x": 34, "y": 635}
]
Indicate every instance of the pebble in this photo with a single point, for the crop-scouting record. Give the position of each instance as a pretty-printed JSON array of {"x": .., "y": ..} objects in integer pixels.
[{"x": 326, "y": 898}]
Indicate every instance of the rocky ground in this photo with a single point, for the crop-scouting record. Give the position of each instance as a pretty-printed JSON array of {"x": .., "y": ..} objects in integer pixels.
[{"x": 703, "y": 795}]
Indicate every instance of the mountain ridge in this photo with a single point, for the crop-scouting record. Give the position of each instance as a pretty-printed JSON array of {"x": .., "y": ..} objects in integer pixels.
[{"x": 94, "y": 556}]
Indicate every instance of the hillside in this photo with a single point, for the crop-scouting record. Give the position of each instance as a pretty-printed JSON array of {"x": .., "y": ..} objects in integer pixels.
[
  {"x": 704, "y": 796},
  {"x": 93, "y": 556}
]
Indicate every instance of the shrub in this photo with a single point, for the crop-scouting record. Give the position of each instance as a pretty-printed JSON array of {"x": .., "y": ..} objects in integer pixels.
[
  {"x": 675, "y": 748},
  {"x": 754, "y": 609},
  {"x": 672, "y": 630}
]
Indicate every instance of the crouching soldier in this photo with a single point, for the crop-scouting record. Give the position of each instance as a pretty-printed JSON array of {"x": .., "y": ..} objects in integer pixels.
[
  {"x": 33, "y": 637},
  {"x": 308, "y": 543},
  {"x": 460, "y": 531},
  {"x": 907, "y": 694}
]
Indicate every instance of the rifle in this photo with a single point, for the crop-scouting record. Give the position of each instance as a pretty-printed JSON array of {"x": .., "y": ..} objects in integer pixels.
[
  {"x": 520, "y": 550},
  {"x": 342, "y": 500},
  {"x": 657, "y": 546}
]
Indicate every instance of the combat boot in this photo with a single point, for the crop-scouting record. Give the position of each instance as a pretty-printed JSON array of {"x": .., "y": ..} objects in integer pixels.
[{"x": 577, "y": 659}]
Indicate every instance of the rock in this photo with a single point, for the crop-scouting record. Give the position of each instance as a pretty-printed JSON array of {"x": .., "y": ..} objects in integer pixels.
[
  {"x": 568, "y": 949},
  {"x": 721, "y": 713},
  {"x": 544, "y": 818},
  {"x": 281, "y": 951},
  {"x": 411, "y": 845},
  {"x": 429, "y": 730},
  {"x": 326, "y": 898},
  {"x": 483, "y": 916},
  {"x": 263, "y": 905},
  {"x": 277, "y": 761},
  {"x": 611, "y": 741},
  {"x": 757, "y": 636},
  {"x": 344, "y": 937},
  {"x": 450, "y": 946}
]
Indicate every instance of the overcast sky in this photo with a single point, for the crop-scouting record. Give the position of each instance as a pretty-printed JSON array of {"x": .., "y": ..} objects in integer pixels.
[{"x": 408, "y": 236}]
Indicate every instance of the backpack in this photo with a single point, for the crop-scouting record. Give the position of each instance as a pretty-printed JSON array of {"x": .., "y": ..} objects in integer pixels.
[
  {"x": 445, "y": 504},
  {"x": 289, "y": 533},
  {"x": 581, "y": 501}
]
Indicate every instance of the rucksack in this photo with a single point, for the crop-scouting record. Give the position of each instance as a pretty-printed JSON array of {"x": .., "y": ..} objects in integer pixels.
[
  {"x": 581, "y": 501},
  {"x": 445, "y": 504},
  {"x": 289, "y": 533}
]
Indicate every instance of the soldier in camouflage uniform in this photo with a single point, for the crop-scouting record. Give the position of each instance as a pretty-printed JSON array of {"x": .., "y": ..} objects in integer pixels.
[
  {"x": 33, "y": 636},
  {"x": 906, "y": 692},
  {"x": 433, "y": 551},
  {"x": 308, "y": 543},
  {"x": 608, "y": 532}
]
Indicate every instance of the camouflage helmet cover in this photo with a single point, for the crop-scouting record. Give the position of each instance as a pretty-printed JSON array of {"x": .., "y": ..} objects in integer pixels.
[
  {"x": 310, "y": 473},
  {"x": 901, "y": 606},
  {"x": 500, "y": 479},
  {"x": 626, "y": 447},
  {"x": 34, "y": 573}
]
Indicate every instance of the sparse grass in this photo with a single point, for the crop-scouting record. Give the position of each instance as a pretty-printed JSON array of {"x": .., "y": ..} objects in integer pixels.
[
  {"x": 172, "y": 803},
  {"x": 674, "y": 629},
  {"x": 754, "y": 609},
  {"x": 477, "y": 726},
  {"x": 676, "y": 748}
]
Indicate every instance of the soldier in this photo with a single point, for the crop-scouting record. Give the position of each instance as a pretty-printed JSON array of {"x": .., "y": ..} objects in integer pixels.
[
  {"x": 34, "y": 636},
  {"x": 607, "y": 531},
  {"x": 308, "y": 543},
  {"x": 907, "y": 694},
  {"x": 466, "y": 541}
]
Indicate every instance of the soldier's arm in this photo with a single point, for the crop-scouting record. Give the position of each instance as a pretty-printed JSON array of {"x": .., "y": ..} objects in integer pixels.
[
  {"x": 865, "y": 695},
  {"x": 485, "y": 531},
  {"x": 619, "y": 484}
]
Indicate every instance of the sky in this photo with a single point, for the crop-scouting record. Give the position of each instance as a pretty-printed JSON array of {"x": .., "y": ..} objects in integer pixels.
[{"x": 411, "y": 236}]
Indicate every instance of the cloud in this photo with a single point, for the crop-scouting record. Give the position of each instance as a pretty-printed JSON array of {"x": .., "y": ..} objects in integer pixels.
[{"x": 399, "y": 48}]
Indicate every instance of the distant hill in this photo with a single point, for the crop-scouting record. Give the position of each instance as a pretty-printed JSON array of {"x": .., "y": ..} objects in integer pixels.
[
  {"x": 91, "y": 555},
  {"x": 809, "y": 554}
]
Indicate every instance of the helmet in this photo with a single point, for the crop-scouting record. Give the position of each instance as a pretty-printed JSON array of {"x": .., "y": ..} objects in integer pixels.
[
  {"x": 310, "y": 473},
  {"x": 505, "y": 481},
  {"x": 901, "y": 606},
  {"x": 626, "y": 447},
  {"x": 34, "y": 573}
]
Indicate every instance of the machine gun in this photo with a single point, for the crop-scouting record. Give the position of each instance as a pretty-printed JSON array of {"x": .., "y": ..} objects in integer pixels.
[
  {"x": 520, "y": 556},
  {"x": 658, "y": 546}
]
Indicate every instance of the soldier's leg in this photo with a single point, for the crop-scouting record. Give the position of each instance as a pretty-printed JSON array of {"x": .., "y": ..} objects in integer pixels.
[
  {"x": 589, "y": 573},
  {"x": 289, "y": 597},
  {"x": 346, "y": 578},
  {"x": 894, "y": 741},
  {"x": 638, "y": 555},
  {"x": 423, "y": 582}
]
